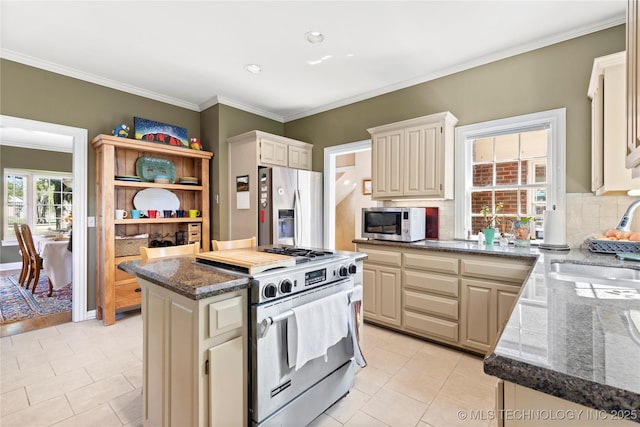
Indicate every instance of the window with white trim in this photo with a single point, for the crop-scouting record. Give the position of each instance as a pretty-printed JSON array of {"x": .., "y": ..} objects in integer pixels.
[
  {"x": 41, "y": 199},
  {"x": 518, "y": 161}
]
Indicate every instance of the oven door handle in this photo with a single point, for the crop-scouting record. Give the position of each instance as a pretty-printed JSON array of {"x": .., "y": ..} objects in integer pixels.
[{"x": 266, "y": 323}]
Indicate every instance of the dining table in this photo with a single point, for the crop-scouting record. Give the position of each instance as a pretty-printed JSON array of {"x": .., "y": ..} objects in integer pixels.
[{"x": 57, "y": 260}]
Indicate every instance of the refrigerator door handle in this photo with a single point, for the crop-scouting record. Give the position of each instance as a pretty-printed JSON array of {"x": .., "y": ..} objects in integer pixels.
[{"x": 297, "y": 208}]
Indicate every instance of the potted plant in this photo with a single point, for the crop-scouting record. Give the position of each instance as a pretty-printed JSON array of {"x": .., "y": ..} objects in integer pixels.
[{"x": 491, "y": 221}]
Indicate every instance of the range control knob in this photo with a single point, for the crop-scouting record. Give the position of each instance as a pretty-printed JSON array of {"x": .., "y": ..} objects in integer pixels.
[
  {"x": 344, "y": 271},
  {"x": 352, "y": 269},
  {"x": 270, "y": 291},
  {"x": 286, "y": 286}
]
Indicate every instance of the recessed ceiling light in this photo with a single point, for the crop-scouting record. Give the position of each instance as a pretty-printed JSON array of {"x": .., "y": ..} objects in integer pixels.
[
  {"x": 314, "y": 37},
  {"x": 253, "y": 68}
]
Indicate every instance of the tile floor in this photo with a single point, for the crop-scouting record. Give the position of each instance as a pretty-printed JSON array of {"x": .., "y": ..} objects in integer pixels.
[{"x": 86, "y": 374}]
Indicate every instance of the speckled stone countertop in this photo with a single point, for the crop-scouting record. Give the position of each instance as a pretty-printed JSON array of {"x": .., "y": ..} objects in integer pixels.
[
  {"x": 186, "y": 277},
  {"x": 563, "y": 338}
]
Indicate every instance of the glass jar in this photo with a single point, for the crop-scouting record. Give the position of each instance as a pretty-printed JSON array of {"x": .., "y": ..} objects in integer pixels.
[{"x": 522, "y": 233}]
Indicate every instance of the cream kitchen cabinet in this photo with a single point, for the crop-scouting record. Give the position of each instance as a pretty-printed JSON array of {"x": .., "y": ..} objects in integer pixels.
[
  {"x": 265, "y": 149},
  {"x": 632, "y": 160},
  {"x": 608, "y": 150},
  {"x": 455, "y": 298},
  {"x": 525, "y": 407},
  {"x": 489, "y": 289},
  {"x": 381, "y": 283},
  {"x": 413, "y": 158},
  {"x": 430, "y": 287},
  {"x": 195, "y": 358}
]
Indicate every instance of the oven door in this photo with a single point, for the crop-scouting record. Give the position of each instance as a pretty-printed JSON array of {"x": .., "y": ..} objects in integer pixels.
[{"x": 274, "y": 384}]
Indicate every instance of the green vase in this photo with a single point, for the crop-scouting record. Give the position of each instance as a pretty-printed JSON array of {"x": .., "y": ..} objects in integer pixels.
[{"x": 489, "y": 234}]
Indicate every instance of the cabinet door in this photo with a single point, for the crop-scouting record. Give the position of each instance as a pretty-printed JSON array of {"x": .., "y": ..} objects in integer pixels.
[
  {"x": 633, "y": 98},
  {"x": 597, "y": 136},
  {"x": 273, "y": 152},
  {"x": 386, "y": 167},
  {"x": 389, "y": 295},
  {"x": 423, "y": 161},
  {"x": 226, "y": 393},
  {"x": 300, "y": 157},
  {"x": 381, "y": 294},
  {"x": 486, "y": 306}
]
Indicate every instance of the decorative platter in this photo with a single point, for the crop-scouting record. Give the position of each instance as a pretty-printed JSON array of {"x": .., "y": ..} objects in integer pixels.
[
  {"x": 149, "y": 167},
  {"x": 156, "y": 199}
]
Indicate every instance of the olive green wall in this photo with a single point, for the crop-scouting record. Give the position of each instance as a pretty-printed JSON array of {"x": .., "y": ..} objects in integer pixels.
[
  {"x": 35, "y": 94},
  {"x": 219, "y": 123},
  {"x": 21, "y": 158},
  {"x": 552, "y": 77}
]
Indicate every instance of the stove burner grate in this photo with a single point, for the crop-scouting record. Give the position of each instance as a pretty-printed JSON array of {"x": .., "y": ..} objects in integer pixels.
[{"x": 298, "y": 252}]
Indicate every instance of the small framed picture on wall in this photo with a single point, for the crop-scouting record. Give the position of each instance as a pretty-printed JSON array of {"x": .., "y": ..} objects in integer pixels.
[{"x": 366, "y": 186}]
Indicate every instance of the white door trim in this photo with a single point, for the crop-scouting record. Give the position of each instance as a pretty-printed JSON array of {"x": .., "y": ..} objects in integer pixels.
[
  {"x": 330, "y": 154},
  {"x": 79, "y": 140}
]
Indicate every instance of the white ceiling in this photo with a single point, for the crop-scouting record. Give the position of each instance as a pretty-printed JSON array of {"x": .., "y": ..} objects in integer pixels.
[{"x": 193, "y": 53}]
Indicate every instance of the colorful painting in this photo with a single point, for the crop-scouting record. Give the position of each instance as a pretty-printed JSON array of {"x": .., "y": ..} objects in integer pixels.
[{"x": 162, "y": 133}]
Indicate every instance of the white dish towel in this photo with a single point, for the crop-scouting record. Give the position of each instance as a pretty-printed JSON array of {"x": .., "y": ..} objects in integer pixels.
[{"x": 316, "y": 326}]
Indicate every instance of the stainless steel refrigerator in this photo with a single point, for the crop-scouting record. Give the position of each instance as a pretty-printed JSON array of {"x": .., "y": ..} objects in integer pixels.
[{"x": 290, "y": 207}]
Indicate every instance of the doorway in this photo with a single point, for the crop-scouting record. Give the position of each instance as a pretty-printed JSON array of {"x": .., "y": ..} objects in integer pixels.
[
  {"x": 331, "y": 190},
  {"x": 27, "y": 133}
]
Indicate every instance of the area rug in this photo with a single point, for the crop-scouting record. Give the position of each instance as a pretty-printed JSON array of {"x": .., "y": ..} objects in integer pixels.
[{"x": 17, "y": 303}]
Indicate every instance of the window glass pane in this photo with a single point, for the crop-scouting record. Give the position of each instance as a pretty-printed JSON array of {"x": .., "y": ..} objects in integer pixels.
[
  {"x": 53, "y": 204},
  {"x": 483, "y": 175},
  {"x": 483, "y": 150},
  {"x": 540, "y": 173},
  {"x": 15, "y": 214},
  {"x": 533, "y": 144},
  {"x": 507, "y": 173},
  {"x": 509, "y": 199},
  {"x": 507, "y": 147},
  {"x": 480, "y": 199}
]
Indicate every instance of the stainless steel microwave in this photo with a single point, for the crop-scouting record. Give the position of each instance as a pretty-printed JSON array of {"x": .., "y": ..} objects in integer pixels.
[{"x": 397, "y": 224}]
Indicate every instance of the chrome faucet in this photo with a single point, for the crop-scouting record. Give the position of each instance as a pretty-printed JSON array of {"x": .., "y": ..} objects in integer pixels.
[{"x": 625, "y": 222}]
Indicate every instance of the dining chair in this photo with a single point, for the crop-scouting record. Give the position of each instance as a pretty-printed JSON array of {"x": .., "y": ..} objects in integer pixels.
[
  {"x": 23, "y": 253},
  {"x": 35, "y": 260},
  {"x": 224, "y": 245},
  {"x": 167, "y": 251}
]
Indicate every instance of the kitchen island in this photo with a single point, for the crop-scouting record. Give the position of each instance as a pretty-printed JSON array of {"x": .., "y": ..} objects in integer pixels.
[
  {"x": 560, "y": 348},
  {"x": 195, "y": 342}
]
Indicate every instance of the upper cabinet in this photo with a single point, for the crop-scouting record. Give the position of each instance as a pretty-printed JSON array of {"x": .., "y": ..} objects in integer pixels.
[
  {"x": 275, "y": 150},
  {"x": 608, "y": 130},
  {"x": 633, "y": 97},
  {"x": 413, "y": 158}
]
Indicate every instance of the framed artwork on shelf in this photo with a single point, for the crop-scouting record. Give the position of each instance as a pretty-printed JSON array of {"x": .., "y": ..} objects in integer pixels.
[
  {"x": 161, "y": 133},
  {"x": 366, "y": 186}
]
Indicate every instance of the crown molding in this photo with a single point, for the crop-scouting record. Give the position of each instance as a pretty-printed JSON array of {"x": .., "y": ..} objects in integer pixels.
[
  {"x": 218, "y": 99},
  {"x": 496, "y": 56},
  {"x": 92, "y": 78}
]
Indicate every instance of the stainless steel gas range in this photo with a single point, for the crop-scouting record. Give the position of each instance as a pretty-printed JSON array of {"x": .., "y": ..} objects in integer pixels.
[{"x": 282, "y": 394}]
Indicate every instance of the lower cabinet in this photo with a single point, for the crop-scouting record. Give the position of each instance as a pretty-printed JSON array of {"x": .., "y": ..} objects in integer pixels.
[
  {"x": 195, "y": 364},
  {"x": 485, "y": 309},
  {"x": 455, "y": 298},
  {"x": 524, "y": 407},
  {"x": 382, "y": 287}
]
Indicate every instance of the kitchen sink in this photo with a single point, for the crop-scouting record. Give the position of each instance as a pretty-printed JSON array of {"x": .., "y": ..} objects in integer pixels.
[{"x": 594, "y": 273}]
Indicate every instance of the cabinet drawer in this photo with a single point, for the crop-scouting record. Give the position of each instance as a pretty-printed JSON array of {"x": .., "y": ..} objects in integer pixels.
[
  {"x": 432, "y": 326},
  {"x": 439, "y": 263},
  {"x": 128, "y": 294},
  {"x": 225, "y": 315},
  {"x": 378, "y": 256},
  {"x": 444, "y": 285},
  {"x": 121, "y": 276},
  {"x": 507, "y": 271},
  {"x": 440, "y": 306}
]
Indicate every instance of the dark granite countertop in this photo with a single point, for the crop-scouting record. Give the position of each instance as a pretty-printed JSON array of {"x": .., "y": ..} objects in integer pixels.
[
  {"x": 186, "y": 277},
  {"x": 561, "y": 339}
]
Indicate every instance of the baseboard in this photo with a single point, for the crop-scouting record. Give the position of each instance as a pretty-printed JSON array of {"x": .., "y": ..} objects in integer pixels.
[{"x": 11, "y": 266}]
